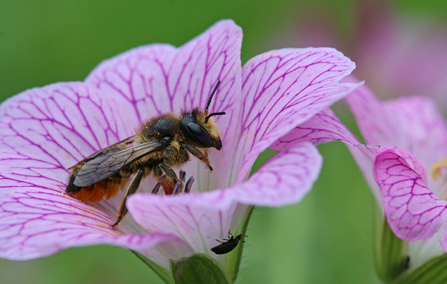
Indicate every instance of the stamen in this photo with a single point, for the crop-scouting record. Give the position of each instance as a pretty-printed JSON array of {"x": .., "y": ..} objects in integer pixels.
[
  {"x": 189, "y": 184},
  {"x": 182, "y": 175},
  {"x": 436, "y": 170},
  {"x": 170, "y": 187},
  {"x": 156, "y": 188},
  {"x": 176, "y": 188}
]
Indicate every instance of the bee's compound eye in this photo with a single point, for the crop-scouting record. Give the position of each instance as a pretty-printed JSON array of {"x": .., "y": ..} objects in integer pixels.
[{"x": 200, "y": 134}]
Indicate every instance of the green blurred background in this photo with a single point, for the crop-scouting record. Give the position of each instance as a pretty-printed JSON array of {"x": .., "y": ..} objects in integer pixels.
[{"x": 327, "y": 238}]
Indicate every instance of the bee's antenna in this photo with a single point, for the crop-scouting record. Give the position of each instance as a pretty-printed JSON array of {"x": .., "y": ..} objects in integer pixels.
[
  {"x": 211, "y": 97},
  {"x": 211, "y": 114}
]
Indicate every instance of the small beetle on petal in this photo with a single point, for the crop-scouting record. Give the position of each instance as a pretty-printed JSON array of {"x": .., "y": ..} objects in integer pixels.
[{"x": 228, "y": 244}]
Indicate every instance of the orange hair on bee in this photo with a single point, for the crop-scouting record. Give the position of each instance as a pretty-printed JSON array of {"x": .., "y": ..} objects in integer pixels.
[{"x": 95, "y": 192}]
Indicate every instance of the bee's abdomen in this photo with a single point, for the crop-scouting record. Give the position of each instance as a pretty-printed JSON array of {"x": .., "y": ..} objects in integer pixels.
[
  {"x": 71, "y": 187},
  {"x": 107, "y": 188}
]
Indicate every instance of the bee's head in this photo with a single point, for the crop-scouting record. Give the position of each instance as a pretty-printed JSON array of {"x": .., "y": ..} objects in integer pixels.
[{"x": 201, "y": 130}]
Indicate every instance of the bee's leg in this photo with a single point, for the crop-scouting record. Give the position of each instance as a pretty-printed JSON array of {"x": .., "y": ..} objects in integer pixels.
[
  {"x": 196, "y": 152},
  {"x": 133, "y": 186},
  {"x": 170, "y": 173}
]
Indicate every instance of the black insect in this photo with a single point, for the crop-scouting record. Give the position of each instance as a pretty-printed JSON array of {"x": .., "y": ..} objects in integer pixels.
[
  {"x": 159, "y": 144},
  {"x": 228, "y": 244}
]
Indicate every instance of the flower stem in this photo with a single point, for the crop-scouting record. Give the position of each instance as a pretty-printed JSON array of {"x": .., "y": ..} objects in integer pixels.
[
  {"x": 235, "y": 259},
  {"x": 390, "y": 258},
  {"x": 160, "y": 271},
  {"x": 433, "y": 271}
]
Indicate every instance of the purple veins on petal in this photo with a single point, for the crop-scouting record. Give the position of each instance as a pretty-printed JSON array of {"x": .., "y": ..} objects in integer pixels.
[
  {"x": 413, "y": 211},
  {"x": 282, "y": 89}
]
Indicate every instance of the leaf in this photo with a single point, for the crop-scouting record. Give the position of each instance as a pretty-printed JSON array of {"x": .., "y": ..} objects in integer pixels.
[{"x": 197, "y": 269}]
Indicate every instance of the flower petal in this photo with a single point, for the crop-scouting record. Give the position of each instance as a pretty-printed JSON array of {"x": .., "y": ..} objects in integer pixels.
[
  {"x": 326, "y": 127},
  {"x": 284, "y": 179},
  {"x": 36, "y": 223},
  {"x": 281, "y": 90},
  {"x": 46, "y": 130},
  {"x": 43, "y": 132},
  {"x": 321, "y": 128},
  {"x": 413, "y": 211},
  {"x": 200, "y": 219},
  {"x": 198, "y": 225},
  {"x": 157, "y": 79},
  {"x": 410, "y": 123}
]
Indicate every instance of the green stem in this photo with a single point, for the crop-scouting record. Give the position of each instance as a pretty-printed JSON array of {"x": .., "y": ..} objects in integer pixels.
[
  {"x": 433, "y": 271},
  {"x": 236, "y": 257},
  {"x": 160, "y": 271},
  {"x": 390, "y": 254}
]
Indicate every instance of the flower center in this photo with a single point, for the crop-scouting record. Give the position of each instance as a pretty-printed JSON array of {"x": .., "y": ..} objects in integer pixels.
[
  {"x": 174, "y": 187},
  {"x": 438, "y": 171}
]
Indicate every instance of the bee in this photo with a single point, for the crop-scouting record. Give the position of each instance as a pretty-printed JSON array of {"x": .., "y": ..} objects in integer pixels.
[
  {"x": 227, "y": 245},
  {"x": 159, "y": 144}
]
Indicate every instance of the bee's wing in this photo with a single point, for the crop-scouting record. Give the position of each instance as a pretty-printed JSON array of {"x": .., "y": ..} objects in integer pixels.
[
  {"x": 105, "y": 164},
  {"x": 124, "y": 142}
]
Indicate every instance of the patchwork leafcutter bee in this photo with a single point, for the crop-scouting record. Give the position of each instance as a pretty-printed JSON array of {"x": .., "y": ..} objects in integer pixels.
[{"x": 160, "y": 143}]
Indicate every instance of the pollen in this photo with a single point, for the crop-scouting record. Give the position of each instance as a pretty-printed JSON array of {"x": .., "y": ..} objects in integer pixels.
[{"x": 436, "y": 171}]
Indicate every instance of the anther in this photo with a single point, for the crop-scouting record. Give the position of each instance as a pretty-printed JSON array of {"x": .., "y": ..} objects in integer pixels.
[
  {"x": 182, "y": 175},
  {"x": 176, "y": 188},
  {"x": 156, "y": 188},
  {"x": 189, "y": 184},
  {"x": 436, "y": 169}
]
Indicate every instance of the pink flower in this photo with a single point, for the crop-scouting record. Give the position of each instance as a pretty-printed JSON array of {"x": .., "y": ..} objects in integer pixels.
[
  {"x": 413, "y": 200},
  {"x": 46, "y": 130},
  {"x": 405, "y": 139}
]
